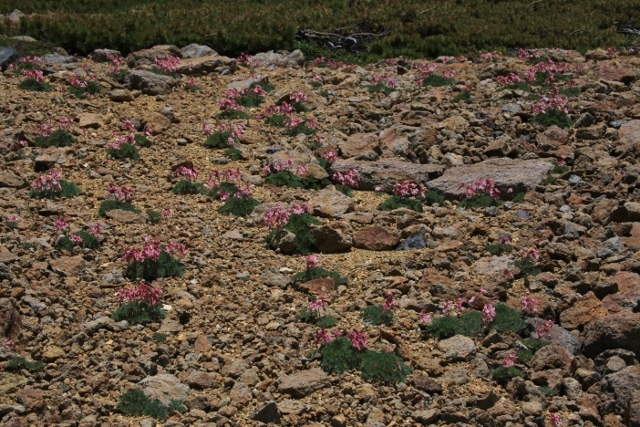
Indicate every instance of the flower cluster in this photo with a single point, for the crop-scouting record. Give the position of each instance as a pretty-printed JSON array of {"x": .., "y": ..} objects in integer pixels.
[
  {"x": 313, "y": 261},
  {"x": 490, "y": 56},
  {"x": 509, "y": 78},
  {"x": 286, "y": 165},
  {"x": 488, "y": 313},
  {"x": 509, "y": 360},
  {"x": 217, "y": 177},
  {"x": 17, "y": 145},
  {"x": 389, "y": 301},
  {"x": 190, "y": 174},
  {"x": 532, "y": 253},
  {"x": 554, "y": 102},
  {"x": 528, "y": 54},
  {"x": 425, "y": 317},
  {"x": 318, "y": 304},
  {"x": 46, "y": 129},
  {"x": 48, "y": 182},
  {"x": 544, "y": 330},
  {"x": 384, "y": 79},
  {"x": 449, "y": 73},
  {"x": 116, "y": 63},
  {"x": 550, "y": 67},
  {"x": 424, "y": 68},
  {"x": 278, "y": 217},
  {"x": 151, "y": 250},
  {"x": 168, "y": 64},
  {"x": 325, "y": 337},
  {"x": 244, "y": 58},
  {"x": 330, "y": 156},
  {"x": 230, "y": 100},
  {"x": 235, "y": 129},
  {"x": 529, "y": 304},
  {"x": 121, "y": 193},
  {"x": 33, "y": 74},
  {"x": 326, "y": 62},
  {"x": 351, "y": 178},
  {"x": 482, "y": 185},
  {"x": 358, "y": 339},
  {"x": 121, "y": 140},
  {"x": 139, "y": 293}
]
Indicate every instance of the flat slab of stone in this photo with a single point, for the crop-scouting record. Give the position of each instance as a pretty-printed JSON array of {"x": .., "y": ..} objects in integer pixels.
[
  {"x": 519, "y": 175},
  {"x": 303, "y": 383},
  {"x": 388, "y": 172},
  {"x": 206, "y": 64}
]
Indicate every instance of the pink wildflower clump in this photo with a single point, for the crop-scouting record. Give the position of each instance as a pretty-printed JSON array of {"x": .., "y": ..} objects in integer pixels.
[
  {"x": 190, "y": 174},
  {"x": 532, "y": 253},
  {"x": 553, "y": 101},
  {"x": 36, "y": 75},
  {"x": 313, "y": 261},
  {"x": 151, "y": 250},
  {"x": 358, "y": 339},
  {"x": 17, "y": 145},
  {"x": 142, "y": 292},
  {"x": 48, "y": 182},
  {"x": 389, "y": 302},
  {"x": 509, "y": 360},
  {"x": 168, "y": 64},
  {"x": 351, "y": 178},
  {"x": 166, "y": 212},
  {"x": 490, "y": 56},
  {"x": 298, "y": 97},
  {"x": 544, "y": 330},
  {"x": 116, "y": 63},
  {"x": 482, "y": 185},
  {"x": 121, "y": 140},
  {"x": 550, "y": 67},
  {"x": 278, "y": 216},
  {"x": 96, "y": 229},
  {"x": 529, "y": 304},
  {"x": 318, "y": 304},
  {"x": 324, "y": 337},
  {"x": 408, "y": 189},
  {"x": 123, "y": 193},
  {"x": 60, "y": 225},
  {"x": 244, "y": 58},
  {"x": 236, "y": 130},
  {"x": 509, "y": 78},
  {"x": 425, "y": 317},
  {"x": 488, "y": 313},
  {"x": 229, "y": 101},
  {"x": 75, "y": 238},
  {"x": 555, "y": 419},
  {"x": 330, "y": 156},
  {"x": 424, "y": 68}
]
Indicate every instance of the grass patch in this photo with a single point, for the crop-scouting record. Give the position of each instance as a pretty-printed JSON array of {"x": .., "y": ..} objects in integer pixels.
[
  {"x": 139, "y": 313},
  {"x": 435, "y": 80},
  {"x": 552, "y": 117},
  {"x": 22, "y": 363},
  {"x": 88, "y": 241},
  {"x": 233, "y": 153},
  {"x": 109, "y": 205},
  {"x": 79, "y": 92},
  {"x": 142, "y": 140},
  {"x": 136, "y": 403},
  {"x": 232, "y": 115},
  {"x": 477, "y": 201},
  {"x": 187, "y": 187},
  {"x": 526, "y": 266},
  {"x": 300, "y": 225},
  {"x": 468, "y": 324},
  {"x": 165, "y": 266},
  {"x": 508, "y": 319},
  {"x": 498, "y": 248},
  {"x": 570, "y": 92},
  {"x": 316, "y": 273},
  {"x": 291, "y": 180},
  {"x": 126, "y": 151},
  {"x": 219, "y": 139},
  {"x": 35, "y": 86},
  {"x": 375, "y": 315},
  {"x": 154, "y": 216},
  {"x": 325, "y": 321},
  {"x": 159, "y": 336},
  {"x": 276, "y": 120},
  {"x": 69, "y": 189},
  {"x": 380, "y": 87},
  {"x": 462, "y": 96},
  {"x": 502, "y": 375},
  {"x": 238, "y": 206},
  {"x": 395, "y": 202},
  {"x": 58, "y": 138}
]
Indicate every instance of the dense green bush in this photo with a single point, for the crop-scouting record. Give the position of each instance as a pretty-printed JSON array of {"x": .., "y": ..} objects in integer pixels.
[
  {"x": 238, "y": 206},
  {"x": 317, "y": 272},
  {"x": 395, "y": 202},
  {"x": 35, "y": 86},
  {"x": 108, "y": 205},
  {"x": 375, "y": 315},
  {"x": 22, "y": 363},
  {"x": 325, "y": 321},
  {"x": 58, "y": 138},
  {"x": 126, "y": 151},
  {"x": 468, "y": 324},
  {"x": 135, "y": 402},
  {"x": 88, "y": 241},
  {"x": 149, "y": 269},
  {"x": 140, "y": 312},
  {"x": 552, "y": 117},
  {"x": 69, "y": 189}
]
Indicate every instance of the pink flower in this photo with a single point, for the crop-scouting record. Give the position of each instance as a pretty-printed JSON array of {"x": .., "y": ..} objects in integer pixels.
[
  {"x": 389, "y": 302},
  {"x": 175, "y": 248},
  {"x": 447, "y": 306},
  {"x": 169, "y": 64},
  {"x": 8, "y": 343},
  {"x": 488, "y": 313},
  {"x": 509, "y": 360},
  {"x": 166, "y": 212},
  {"x": 318, "y": 304},
  {"x": 544, "y": 331},
  {"x": 505, "y": 240},
  {"x": 323, "y": 337},
  {"x": 529, "y": 305},
  {"x": 358, "y": 339},
  {"x": 351, "y": 178},
  {"x": 223, "y": 195},
  {"x": 313, "y": 261},
  {"x": 96, "y": 229},
  {"x": 61, "y": 225},
  {"x": 140, "y": 292},
  {"x": 532, "y": 253},
  {"x": 408, "y": 189},
  {"x": 425, "y": 317},
  {"x": 302, "y": 170},
  {"x": 277, "y": 217},
  {"x": 555, "y": 419},
  {"x": 75, "y": 238},
  {"x": 449, "y": 73},
  {"x": 206, "y": 129},
  {"x": 190, "y": 174},
  {"x": 17, "y": 145},
  {"x": 297, "y": 97},
  {"x": 330, "y": 156}
]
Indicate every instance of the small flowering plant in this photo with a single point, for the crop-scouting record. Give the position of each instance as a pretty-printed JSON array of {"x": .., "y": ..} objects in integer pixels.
[
  {"x": 227, "y": 187},
  {"x": 551, "y": 110},
  {"x": 123, "y": 147},
  {"x": 315, "y": 312},
  {"x": 408, "y": 195},
  {"x": 482, "y": 193},
  {"x": 116, "y": 71},
  {"x": 154, "y": 261},
  {"x": 507, "y": 370},
  {"x": 346, "y": 181},
  {"x": 17, "y": 147},
  {"x": 11, "y": 221},
  {"x": 187, "y": 184},
  {"x": 380, "y": 314},
  {"x": 50, "y": 135},
  {"x": 31, "y": 68},
  {"x": 118, "y": 198},
  {"x": 50, "y": 185},
  {"x": 227, "y": 135},
  {"x": 382, "y": 83},
  {"x": 230, "y": 108},
  {"x": 79, "y": 87},
  {"x": 315, "y": 271},
  {"x": 140, "y": 304},
  {"x": 286, "y": 174},
  {"x": 83, "y": 239},
  {"x": 502, "y": 246},
  {"x": 167, "y": 66},
  {"x": 296, "y": 220}
]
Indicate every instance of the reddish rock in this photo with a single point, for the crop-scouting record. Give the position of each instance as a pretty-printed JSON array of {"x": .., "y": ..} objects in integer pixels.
[
  {"x": 620, "y": 330},
  {"x": 585, "y": 310},
  {"x": 388, "y": 172},
  {"x": 319, "y": 286},
  {"x": 10, "y": 321},
  {"x": 552, "y": 138},
  {"x": 202, "y": 344},
  {"x": 301, "y": 384},
  {"x": 552, "y": 356},
  {"x": 628, "y": 295},
  {"x": 330, "y": 203},
  {"x": 67, "y": 265},
  {"x": 376, "y": 238},
  {"x": 334, "y": 237}
]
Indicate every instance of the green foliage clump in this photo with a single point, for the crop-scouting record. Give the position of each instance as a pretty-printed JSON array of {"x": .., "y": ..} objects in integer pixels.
[
  {"x": 120, "y": 76},
  {"x": 58, "y": 138},
  {"x": 518, "y": 198},
  {"x": 300, "y": 225},
  {"x": 154, "y": 216},
  {"x": 156, "y": 70},
  {"x": 518, "y": 86},
  {"x": 570, "y": 92},
  {"x": 69, "y": 189},
  {"x": 535, "y": 344},
  {"x": 431, "y": 197},
  {"x": 139, "y": 313},
  {"x": 227, "y": 187},
  {"x": 238, "y": 206},
  {"x": 135, "y": 402},
  {"x": 142, "y": 140},
  {"x": 549, "y": 179},
  {"x": 547, "y": 391},
  {"x": 325, "y": 321},
  {"x": 219, "y": 139},
  {"x": 88, "y": 241},
  {"x": 187, "y": 187},
  {"x": 502, "y": 375},
  {"x": 395, "y": 202},
  {"x": 436, "y": 80},
  {"x": 11, "y": 224},
  {"x": 109, "y": 205},
  {"x": 527, "y": 267},
  {"x": 552, "y": 117},
  {"x": 79, "y": 92},
  {"x": 339, "y": 356},
  {"x": 302, "y": 128},
  {"x": 233, "y": 153},
  {"x": 291, "y": 180},
  {"x": 149, "y": 269},
  {"x": 375, "y": 315},
  {"x": 344, "y": 189},
  {"x": 559, "y": 169},
  {"x": 380, "y": 87},
  {"x": 468, "y": 324},
  {"x": 462, "y": 96},
  {"x": 498, "y": 248},
  {"x": 159, "y": 336},
  {"x": 22, "y": 363},
  {"x": 508, "y": 319},
  {"x": 126, "y": 151},
  {"x": 250, "y": 101},
  {"x": 477, "y": 201},
  {"x": 317, "y": 272},
  {"x": 35, "y": 86},
  {"x": 232, "y": 114},
  {"x": 275, "y": 120}
]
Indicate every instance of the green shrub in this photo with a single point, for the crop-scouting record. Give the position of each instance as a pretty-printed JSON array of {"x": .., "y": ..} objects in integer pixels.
[
  {"x": 156, "y": 70},
  {"x": 88, "y": 241},
  {"x": 395, "y": 202},
  {"x": 317, "y": 272},
  {"x": 339, "y": 356},
  {"x": 518, "y": 86},
  {"x": 375, "y": 315},
  {"x": 58, "y": 138},
  {"x": 233, "y": 153},
  {"x": 314, "y": 145},
  {"x": 232, "y": 114},
  {"x": 250, "y": 101},
  {"x": 165, "y": 266},
  {"x": 462, "y": 96},
  {"x": 502, "y": 375},
  {"x": 384, "y": 366},
  {"x": 344, "y": 189},
  {"x": 291, "y": 180},
  {"x": 468, "y": 324},
  {"x": 219, "y": 139},
  {"x": 508, "y": 319},
  {"x": 552, "y": 117},
  {"x": 187, "y": 187},
  {"x": 570, "y": 92},
  {"x": 535, "y": 344},
  {"x": 69, "y": 189},
  {"x": 527, "y": 267},
  {"x": 238, "y": 206},
  {"x": 159, "y": 336},
  {"x": 120, "y": 77},
  {"x": 126, "y": 151},
  {"x": 79, "y": 92},
  {"x": 559, "y": 169},
  {"x": 431, "y": 197},
  {"x": 275, "y": 120},
  {"x": 547, "y": 391},
  {"x": 154, "y": 216},
  {"x": 498, "y": 248},
  {"x": 548, "y": 180},
  {"x": 11, "y": 224},
  {"x": 35, "y": 86},
  {"x": 22, "y": 363},
  {"x": 300, "y": 129},
  {"x": 267, "y": 87},
  {"x": 325, "y": 321},
  {"x": 228, "y": 187},
  {"x": 300, "y": 226},
  {"x": 109, "y": 205},
  {"x": 524, "y": 355},
  {"x": 139, "y": 313},
  {"x": 380, "y": 87},
  {"x": 436, "y": 80},
  {"x": 142, "y": 140},
  {"x": 518, "y": 198},
  {"x": 135, "y": 402},
  {"x": 477, "y": 201}
]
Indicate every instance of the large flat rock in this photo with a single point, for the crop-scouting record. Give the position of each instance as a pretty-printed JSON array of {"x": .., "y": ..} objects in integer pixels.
[
  {"x": 388, "y": 172},
  {"x": 520, "y": 175}
]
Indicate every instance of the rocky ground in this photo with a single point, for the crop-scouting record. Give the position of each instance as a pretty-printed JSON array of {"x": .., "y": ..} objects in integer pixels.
[{"x": 236, "y": 352}]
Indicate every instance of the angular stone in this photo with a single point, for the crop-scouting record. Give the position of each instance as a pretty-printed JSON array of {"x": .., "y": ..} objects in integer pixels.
[
  {"x": 195, "y": 50},
  {"x": 293, "y": 59},
  {"x": 147, "y": 56},
  {"x": 360, "y": 143},
  {"x": 457, "y": 348},
  {"x": 552, "y": 138},
  {"x": 11, "y": 180},
  {"x": 156, "y": 122},
  {"x": 376, "y": 238},
  {"x": 303, "y": 383},
  {"x": 121, "y": 95},
  {"x": 519, "y": 175},
  {"x": 268, "y": 414},
  {"x": 388, "y": 172},
  {"x": 10, "y": 320},
  {"x": 620, "y": 330},
  {"x": 53, "y": 353},
  {"x": 101, "y": 55},
  {"x": 319, "y": 286},
  {"x": 90, "y": 120},
  {"x": 67, "y": 265},
  {"x": 165, "y": 388},
  {"x": 240, "y": 394},
  {"x": 202, "y": 344},
  {"x": 554, "y": 356},
  {"x": 585, "y": 310},
  {"x": 207, "y": 64},
  {"x": 334, "y": 237},
  {"x": 330, "y": 203},
  {"x": 150, "y": 83},
  {"x": 199, "y": 380}
]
